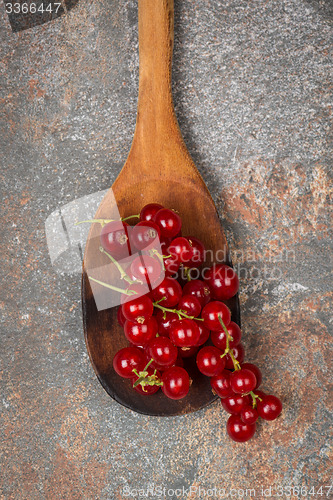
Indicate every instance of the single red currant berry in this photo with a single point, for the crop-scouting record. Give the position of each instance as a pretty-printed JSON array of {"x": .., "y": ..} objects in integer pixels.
[
  {"x": 204, "y": 333},
  {"x": 140, "y": 334},
  {"x": 243, "y": 381},
  {"x": 115, "y": 239},
  {"x": 190, "y": 305},
  {"x": 199, "y": 289},
  {"x": 239, "y": 353},
  {"x": 184, "y": 333},
  {"x": 211, "y": 314},
  {"x": 146, "y": 268},
  {"x": 147, "y": 390},
  {"x": 221, "y": 384},
  {"x": 197, "y": 253},
  {"x": 235, "y": 403},
  {"x": 209, "y": 361},
  {"x": 223, "y": 281},
  {"x": 149, "y": 211},
  {"x": 168, "y": 221},
  {"x": 249, "y": 415},
  {"x": 238, "y": 430},
  {"x": 171, "y": 266},
  {"x": 269, "y": 408},
  {"x": 145, "y": 234},
  {"x": 164, "y": 320},
  {"x": 120, "y": 317},
  {"x": 138, "y": 309},
  {"x": 127, "y": 359},
  {"x": 162, "y": 351},
  {"x": 254, "y": 369},
  {"x": 176, "y": 382},
  {"x": 180, "y": 249},
  {"x": 188, "y": 352},
  {"x": 170, "y": 291},
  {"x": 219, "y": 337}
]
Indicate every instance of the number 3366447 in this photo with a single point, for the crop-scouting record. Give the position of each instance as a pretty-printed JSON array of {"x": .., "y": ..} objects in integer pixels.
[{"x": 31, "y": 8}]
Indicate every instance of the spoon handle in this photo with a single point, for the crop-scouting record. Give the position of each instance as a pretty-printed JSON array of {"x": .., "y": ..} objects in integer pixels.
[{"x": 156, "y": 29}]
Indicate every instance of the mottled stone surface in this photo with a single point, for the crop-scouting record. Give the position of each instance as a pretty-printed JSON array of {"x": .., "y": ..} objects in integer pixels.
[{"x": 253, "y": 99}]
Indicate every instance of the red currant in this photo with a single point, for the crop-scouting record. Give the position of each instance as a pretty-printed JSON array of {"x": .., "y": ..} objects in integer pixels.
[
  {"x": 255, "y": 370},
  {"x": 140, "y": 334},
  {"x": 162, "y": 351},
  {"x": 146, "y": 268},
  {"x": 127, "y": 359},
  {"x": 184, "y": 333},
  {"x": 204, "y": 333},
  {"x": 171, "y": 266},
  {"x": 168, "y": 221},
  {"x": 243, "y": 381},
  {"x": 239, "y": 353},
  {"x": 197, "y": 253},
  {"x": 199, "y": 290},
  {"x": 176, "y": 382},
  {"x": 219, "y": 338},
  {"x": 269, "y": 408},
  {"x": 149, "y": 211},
  {"x": 190, "y": 304},
  {"x": 209, "y": 361},
  {"x": 145, "y": 234},
  {"x": 147, "y": 390},
  {"x": 235, "y": 403},
  {"x": 223, "y": 281},
  {"x": 188, "y": 352},
  {"x": 211, "y": 313},
  {"x": 238, "y": 430},
  {"x": 170, "y": 291},
  {"x": 115, "y": 239},
  {"x": 180, "y": 249},
  {"x": 164, "y": 320},
  {"x": 138, "y": 309},
  {"x": 221, "y": 384},
  {"x": 249, "y": 415}
]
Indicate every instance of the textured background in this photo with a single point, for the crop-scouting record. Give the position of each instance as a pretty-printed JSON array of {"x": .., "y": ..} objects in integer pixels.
[{"x": 252, "y": 95}]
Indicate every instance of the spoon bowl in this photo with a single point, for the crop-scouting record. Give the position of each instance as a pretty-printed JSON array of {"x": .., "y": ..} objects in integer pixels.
[{"x": 159, "y": 169}]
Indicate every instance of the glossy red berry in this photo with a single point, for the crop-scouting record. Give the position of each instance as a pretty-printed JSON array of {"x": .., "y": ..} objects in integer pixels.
[
  {"x": 169, "y": 222},
  {"x": 197, "y": 252},
  {"x": 223, "y": 281},
  {"x": 145, "y": 234},
  {"x": 199, "y": 289},
  {"x": 235, "y": 403},
  {"x": 164, "y": 320},
  {"x": 184, "y": 333},
  {"x": 221, "y": 384},
  {"x": 147, "y": 269},
  {"x": 255, "y": 370},
  {"x": 204, "y": 333},
  {"x": 190, "y": 305},
  {"x": 209, "y": 361},
  {"x": 180, "y": 249},
  {"x": 243, "y": 381},
  {"x": 127, "y": 359},
  {"x": 169, "y": 290},
  {"x": 115, "y": 239},
  {"x": 269, "y": 408},
  {"x": 171, "y": 265},
  {"x": 149, "y": 211},
  {"x": 138, "y": 309},
  {"x": 238, "y": 430},
  {"x": 139, "y": 334},
  {"x": 147, "y": 390},
  {"x": 239, "y": 353},
  {"x": 249, "y": 415},
  {"x": 219, "y": 338},
  {"x": 176, "y": 382},
  {"x": 211, "y": 313},
  {"x": 162, "y": 351}
]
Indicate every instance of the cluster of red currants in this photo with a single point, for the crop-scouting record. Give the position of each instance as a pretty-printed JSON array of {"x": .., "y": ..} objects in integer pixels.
[{"x": 171, "y": 322}]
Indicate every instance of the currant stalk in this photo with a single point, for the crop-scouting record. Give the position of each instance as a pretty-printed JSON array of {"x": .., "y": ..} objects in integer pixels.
[
  {"x": 179, "y": 312},
  {"x": 227, "y": 349},
  {"x": 123, "y": 274},
  {"x": 102, "y": 222}
]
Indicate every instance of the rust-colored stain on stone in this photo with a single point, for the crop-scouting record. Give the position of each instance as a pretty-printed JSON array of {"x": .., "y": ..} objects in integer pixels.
[{"x": 251, "y": 92}]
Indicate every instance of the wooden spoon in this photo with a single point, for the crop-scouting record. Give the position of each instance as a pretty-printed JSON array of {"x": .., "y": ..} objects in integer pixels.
[{"x": 158, "y": 169}]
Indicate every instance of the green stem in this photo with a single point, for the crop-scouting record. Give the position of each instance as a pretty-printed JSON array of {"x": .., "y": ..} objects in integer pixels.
[
  {"x": 227, "y": 349},
  {"x": 176, "y": 311},
  {"x": 254, "y": 398},
  {"x": 123, "y": 274},
  {"x": 115, "y": 288},
  {"x": 106, "y": 221},
  {"x": 144, "y": 379}
]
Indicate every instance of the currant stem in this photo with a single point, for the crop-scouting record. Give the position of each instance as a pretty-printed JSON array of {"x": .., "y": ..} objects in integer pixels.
[
  {"x": 227, "y": 349},
  {"x": 123, "y": 274},
  {"x": 254, "y": 398},
  {"x": 179, "y": 312},
  {"x": 144, "y": 379},
  {"x": 115, "y": 288},
  {"x": 106, "y": 221}
]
